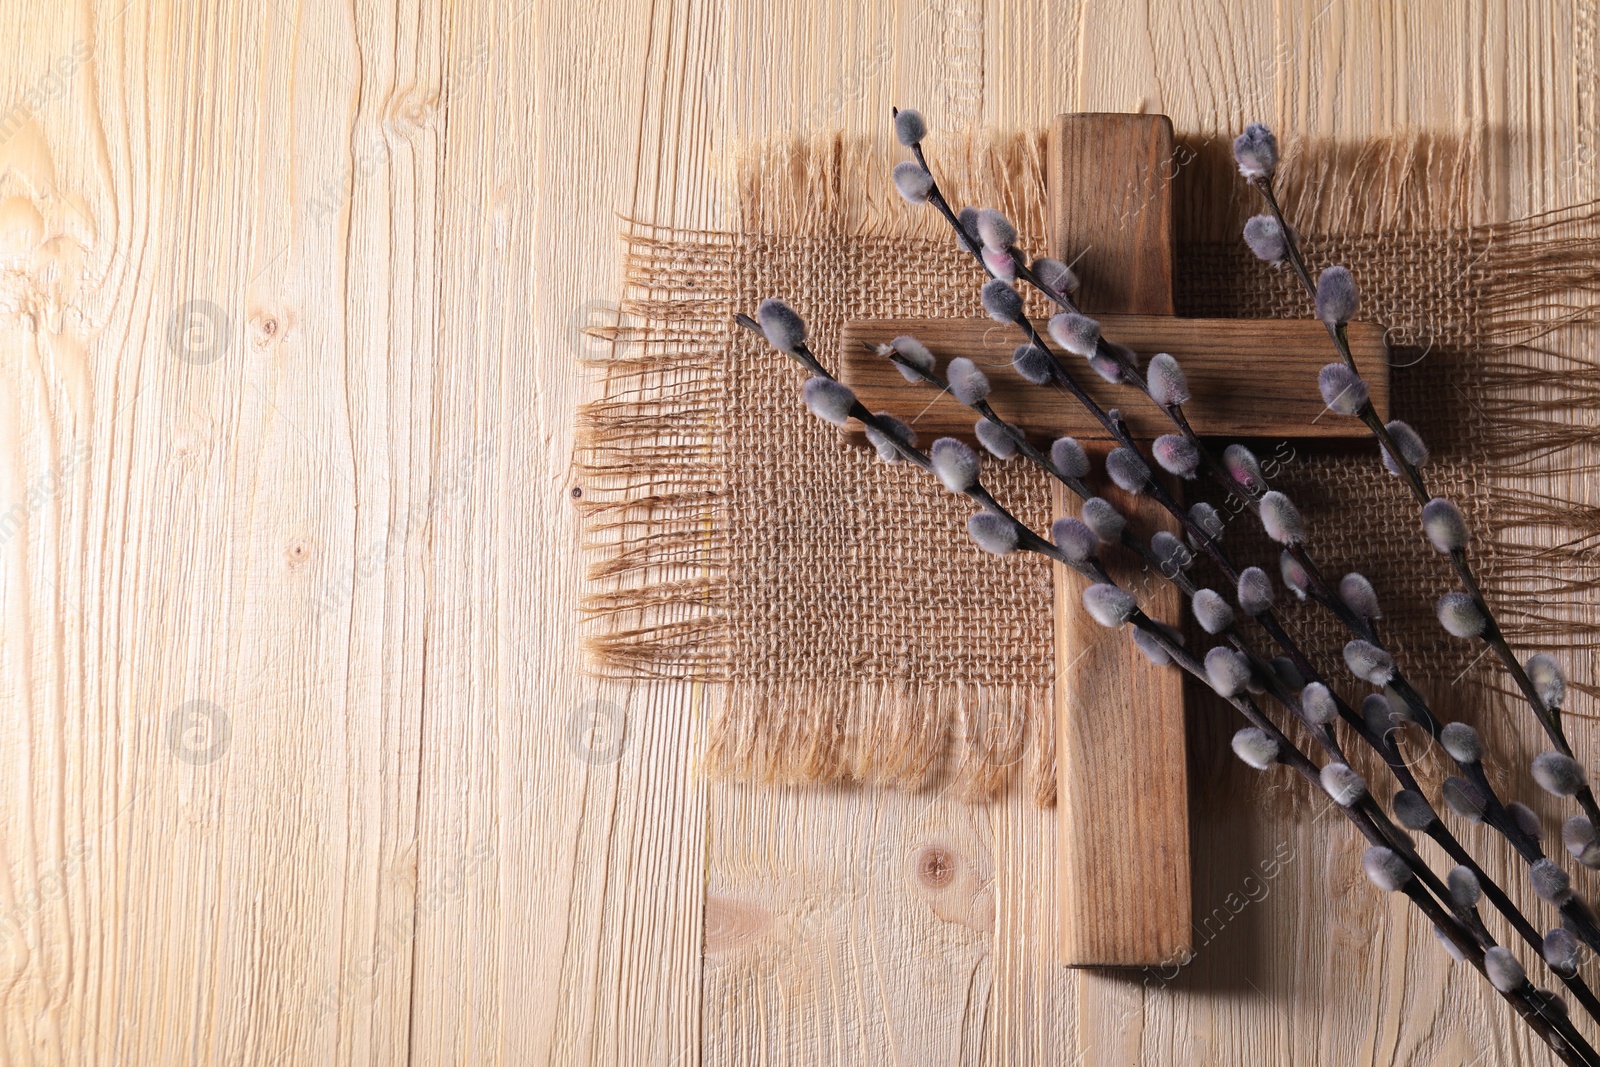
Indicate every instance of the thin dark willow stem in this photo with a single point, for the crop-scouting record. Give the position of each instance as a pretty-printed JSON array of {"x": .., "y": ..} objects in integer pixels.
[
  {"x": 1496, "y": 814},
  {"x": 1323, "y": 733},
  {"x": 1493, "y": 636},
  {"x": 1554, "y": 1027}
]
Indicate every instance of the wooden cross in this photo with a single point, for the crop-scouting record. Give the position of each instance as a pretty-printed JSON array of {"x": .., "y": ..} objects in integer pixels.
[{"x": 1122, "y": 796}]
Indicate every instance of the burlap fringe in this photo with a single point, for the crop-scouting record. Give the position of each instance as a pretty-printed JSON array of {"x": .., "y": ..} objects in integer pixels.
[
  {"x": 973, "y": 740},
  {"x": 1538, "y": 290},
  {"x": 651, "y": 488},
  {"x": 653, "y": 470}
]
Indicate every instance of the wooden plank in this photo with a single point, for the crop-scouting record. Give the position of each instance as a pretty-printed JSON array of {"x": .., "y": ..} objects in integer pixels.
[
  {"x": 1122, "y": 816},
  {"x": 1122, "y": 797},
  {"x": 578, "y": 940},
  {"x": 1110, "y": 181},
  {"x": 1314, "y": 968},
  {"x": 1319, "y": 970},
  {"x": 1277, "y": 359}
]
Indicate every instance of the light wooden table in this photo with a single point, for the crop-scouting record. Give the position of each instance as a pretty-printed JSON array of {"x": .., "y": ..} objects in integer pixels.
[{"x": 294, "y": 762}]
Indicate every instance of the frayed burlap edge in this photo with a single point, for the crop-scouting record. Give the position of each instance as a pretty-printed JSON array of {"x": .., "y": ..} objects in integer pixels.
[{"x": 653, "y": 468}]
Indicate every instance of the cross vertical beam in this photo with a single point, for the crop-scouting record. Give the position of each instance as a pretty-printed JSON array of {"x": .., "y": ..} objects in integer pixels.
[
  {"x": 1123, "y": 829},
  {"x": 1122, "y": 785}
]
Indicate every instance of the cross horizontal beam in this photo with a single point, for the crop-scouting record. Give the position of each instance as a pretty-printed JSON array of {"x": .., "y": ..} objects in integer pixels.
[{"x": 1248, "y": 377}]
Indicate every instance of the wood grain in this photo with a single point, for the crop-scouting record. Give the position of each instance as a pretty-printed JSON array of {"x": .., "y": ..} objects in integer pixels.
[
  {"x": 1281, "y": 357},
  {"x": 1110, "y": 181},
  {"x": 1122, "y": 773},
  {"x": 313, "y": 895}
]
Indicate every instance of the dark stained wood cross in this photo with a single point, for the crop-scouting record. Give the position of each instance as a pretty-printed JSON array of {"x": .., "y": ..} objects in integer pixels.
[{"x": 1122, "y": 791}]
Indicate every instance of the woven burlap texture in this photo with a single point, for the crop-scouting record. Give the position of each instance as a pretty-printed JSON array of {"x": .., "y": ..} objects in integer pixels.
[{"x": 853, "y": 629}]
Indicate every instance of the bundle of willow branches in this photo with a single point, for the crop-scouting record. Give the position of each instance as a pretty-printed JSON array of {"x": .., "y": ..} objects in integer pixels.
[{"x": 1235, "y": 668}]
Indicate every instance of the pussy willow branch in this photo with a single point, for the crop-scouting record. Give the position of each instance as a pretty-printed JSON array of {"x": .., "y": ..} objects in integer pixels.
[
  {"x": 1322, "y": 732},
  {"x": 1026, "y": 448},
  {"x": 1422, "y": 887},
  {"x": 1493, "y": 636},
  {"x": 1496, "y": 813}
]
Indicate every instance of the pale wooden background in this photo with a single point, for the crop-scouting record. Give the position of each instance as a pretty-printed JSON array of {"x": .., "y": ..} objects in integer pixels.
[{"x": 350, "y": 535}]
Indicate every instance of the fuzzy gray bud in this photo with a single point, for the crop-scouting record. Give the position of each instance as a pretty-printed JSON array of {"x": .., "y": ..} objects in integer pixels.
[
  {"x": 1281, "y": 519},
  {"x": 994, "y": 533},
  {"x": 1449, "y": 945},
  {"x": 1465, "y": 889},
  {"x": 1055, "y": 276},
  {"x": 1386, "y": 869},
  {"x": 1504, "y": 972},
  {"x": 914, "y": 352},
  {"x": 1318, "y": 705},
  {"x": 1550, "y": 882},
  {"x": 1172, "y": 554},
  {"x": 899, "y": 432},
  {"x": 1294, "y": 574},
  {"x": 1227, "y": 671},
  {"x": 1152, "y": 647},
  {"x": 1578, "y": 835},
  {"x": 1337, "y": 297},
  {"x": 1288, "y": 673},
  {"x": 909, "y": 127},
  {"x": 1211, "y": 611},
  {"x": 1342, "y": 390},
  {"x": 828, "y": 400},
  {"x": 784, "y": 330},
  {"x": 1343, "y": 784},
  {"x": 994, "y": 440},
  {"x": 1003, "y": 303},
  {"x": 955, "y": 463},
  {"x": 1377, "y": 714},
  {"x": 1459, "y": 614},
  {"x": 1413, "y": 810},
  {"x": 1245, "y": 470},
  {"x": 968, "y": 384},
  {"x": 1265, "y": 238},
  {"x": 1078, "y": 334},
  {"x": 1442, "y": 522},
  {"x": 1106, "y": 367},
  {"x": 1256, "y": 152},
  {"x": 1070, "y": 459},
  {"x": 1462, "y": 742},
  {"x": 1255, "y": 591},
  {"x": 1128, "y": 470},
  {"x": 1108, "y": 605},
  {"x": 1176, "y": 454},
  {"x": 1207, "y": 519},
  {"x": 1527, "y": 821},
  {"x": 1104, "y": 519},
  {"x": 995, "y": 230},
  {"x": 1408, "y": 442},
  {"x": 1359, "y": 596},
  {"x": 1561, "y": 952},
  {"x": 1001, "y": 263},
  {"x": 1464, "y": 798},
  {"x": 1034, "y": 364},
  {"x": 1075, "y": 540},
  {"x": 1168, "y": 384},
  {"x": 912, "y": 181},
  {"x": 967, "y": 219},
  {"x": 1558, "y": 774},
  {"x": 1548, "y": 679},
  {"x": 1369, "y": 662},
  {"x": 1255, "y": 748}
]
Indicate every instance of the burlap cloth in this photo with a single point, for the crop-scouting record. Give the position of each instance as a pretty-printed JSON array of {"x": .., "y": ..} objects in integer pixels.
[{"x": 854, "y": 631}]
